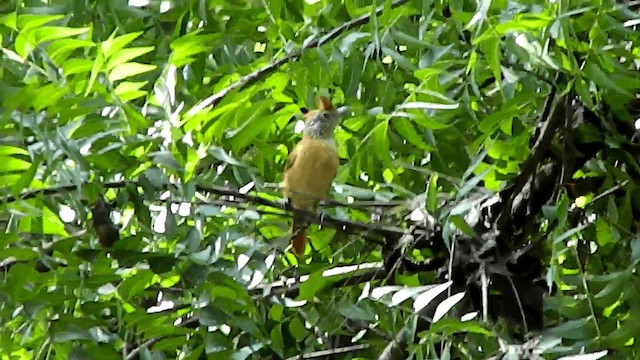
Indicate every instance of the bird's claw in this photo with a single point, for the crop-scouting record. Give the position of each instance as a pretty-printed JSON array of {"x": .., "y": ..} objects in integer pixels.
[
  {"x": 286, "y": 203},
  {"x": 323, "y": 215}
]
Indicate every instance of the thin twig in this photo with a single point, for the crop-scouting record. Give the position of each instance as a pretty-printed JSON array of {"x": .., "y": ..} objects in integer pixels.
[
  {"x": 330, "y": 352},
  {"x": 147, "y": 344}
]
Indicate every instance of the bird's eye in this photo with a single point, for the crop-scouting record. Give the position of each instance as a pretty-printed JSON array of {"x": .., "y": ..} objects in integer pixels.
[{"x": 324, "y": 115}]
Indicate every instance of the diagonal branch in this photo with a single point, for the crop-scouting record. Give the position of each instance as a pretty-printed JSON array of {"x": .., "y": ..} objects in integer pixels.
[
  {"x": 255, "y": 76},
  {"x": 551, "y": 121}
]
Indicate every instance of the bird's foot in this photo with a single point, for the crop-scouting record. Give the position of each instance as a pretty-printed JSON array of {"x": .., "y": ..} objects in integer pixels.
[
  {"x": 323, "y": 215},
  {"x": 285, "y": 203}
]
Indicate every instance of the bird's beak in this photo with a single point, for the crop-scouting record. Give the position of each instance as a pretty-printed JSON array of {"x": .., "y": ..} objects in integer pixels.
[{"x": 344, "y": 111}]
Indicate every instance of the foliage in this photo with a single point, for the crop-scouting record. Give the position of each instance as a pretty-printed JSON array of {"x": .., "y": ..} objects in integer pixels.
[{"x": 181, "y": 115}]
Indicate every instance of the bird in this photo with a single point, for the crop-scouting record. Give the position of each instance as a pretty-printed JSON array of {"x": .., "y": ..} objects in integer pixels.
[{"x": 312, "y": 165}]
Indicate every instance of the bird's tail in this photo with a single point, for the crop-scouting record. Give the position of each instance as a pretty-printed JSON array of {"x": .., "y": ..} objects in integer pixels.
[{"x": 298, "y": 235}]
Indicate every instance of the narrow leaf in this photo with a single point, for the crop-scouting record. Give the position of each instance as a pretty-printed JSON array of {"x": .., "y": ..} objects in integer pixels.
[{"x": 444, "y": 307}]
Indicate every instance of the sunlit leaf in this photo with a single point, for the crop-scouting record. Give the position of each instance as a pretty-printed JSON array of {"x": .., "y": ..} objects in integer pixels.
[
  {"x": 124, "y": 55},
  {"x": 48, "y": 33},
  {"x": 444, "y": 307},
  {"x": 127, "y": 70},
  {"x": 115, "y": 43},
  {"x": 429, "y": 295}
]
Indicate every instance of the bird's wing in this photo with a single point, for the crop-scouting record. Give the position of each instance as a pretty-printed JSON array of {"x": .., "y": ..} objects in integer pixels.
[{"x": 292, "y": 159}]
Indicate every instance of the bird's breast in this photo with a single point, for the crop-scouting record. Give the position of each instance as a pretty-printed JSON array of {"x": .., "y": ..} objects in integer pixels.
[{"x": 309, "y": 179}]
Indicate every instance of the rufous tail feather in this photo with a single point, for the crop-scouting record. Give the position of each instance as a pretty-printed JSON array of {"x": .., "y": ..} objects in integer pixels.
[{"x": 299, "y": 237}]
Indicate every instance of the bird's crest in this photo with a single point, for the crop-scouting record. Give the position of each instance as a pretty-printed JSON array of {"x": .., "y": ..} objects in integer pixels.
[{"x": 323, "y": 103}]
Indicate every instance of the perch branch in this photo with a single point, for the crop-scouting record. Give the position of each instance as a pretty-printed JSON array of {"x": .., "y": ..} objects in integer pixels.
[{"x": 344, "y": 225}]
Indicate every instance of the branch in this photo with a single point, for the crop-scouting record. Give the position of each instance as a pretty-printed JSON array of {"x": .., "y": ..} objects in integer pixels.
[
  {"x": 291, "y": 287},
  {"x": 344, "y": 225},
  {"x": 255, "y": 76},
  {"x": 147, "y": 344},
  {"x": 395, "y": 348},
  {"x": 552, "y": 119}
]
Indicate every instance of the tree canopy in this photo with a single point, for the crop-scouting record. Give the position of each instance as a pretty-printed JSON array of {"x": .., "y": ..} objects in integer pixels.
[{"x": 485, "y": 204}]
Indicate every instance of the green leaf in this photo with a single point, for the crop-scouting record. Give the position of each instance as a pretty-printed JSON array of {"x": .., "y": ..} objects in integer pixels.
[
  {"x": 462, "y": 225},
  {"x": 408, "y": 40},
  {"x": 29, "y": 21},
  {"x": 471, "y": 183},
  {"x": 136, "y": 284},
  {"x": 127, "y": 70},
  {"x": 297, "y": 329},
  {"x": 60, "y": 50},
  {"x": 313, "y": 285},
  {"x": 491, "y": 47},
  {"x": 77, "y": 66},
  {"x": 604, "y": 232},
  {"x": 185, "y": 47},
  {"x": 10, "y": 20},
  {"x": 26, "y": 178},
  {"x": 48, "y": 33},
  {"x": 44, "y": 222},
  {"x": 595, "y": 74},
  {"x": 409, "y": 133},
  {"x": 48, "y": 95},
  {"x": 12, "y": 150},
  {"x": 402, "y": 61},
  {"x": 20, "y": 254},
  {"x": 381, "y": 141},
  {"x": 432, "y": 194},
  {"x": 452, "y": 326},
  {"x": 567, "y": 234},
  {"x": 220, "y": 154},
  {"x": 574, "y": 329},
  {"x": 358, "y": 312},
  {"x": 9, "y": 163},
  {"x": 256, "y": 123},
  {"x": 277, "y": 342},
  {"x": 141, "y": 211},
  {"x": 167, "y": 159},
  {"x": 129, "y": 90},
  {"x": 122, "y": 56},
  {"x": 95, "y": 71},
  {"x": 113, "y": 44}
]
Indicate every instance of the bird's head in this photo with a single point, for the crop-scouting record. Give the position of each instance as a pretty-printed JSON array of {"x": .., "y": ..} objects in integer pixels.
[{"x": 320, "y": 123}]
